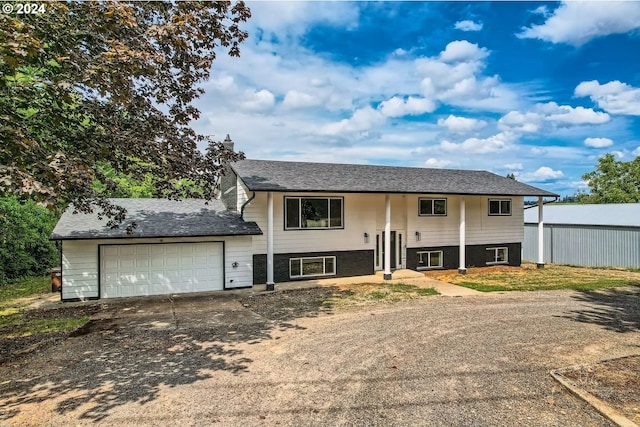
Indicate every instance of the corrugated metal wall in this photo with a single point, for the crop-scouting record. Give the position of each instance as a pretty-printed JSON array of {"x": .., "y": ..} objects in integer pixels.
[{"x": 594, "y": 246}]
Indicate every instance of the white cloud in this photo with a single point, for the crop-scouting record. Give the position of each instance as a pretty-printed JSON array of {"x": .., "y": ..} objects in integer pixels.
[
  {"x": 462, "y": 50},
  {"x": 455, "y": 78},
  {"x": 520, "y": 122},
  {"x": 598, "y": 142},
  {"x": 461, "y": 124},
  {"x": 542, "y": 174},
  {"x": 636, "y": 152},
  {"x": 565, "y": 114},
  {"x": 398, "y": 107},
  {"x": 400, "y": 52},
  {"x": 578, "y": 22},
  {"x": 258, "y": 101},
  {"x": 514, "y": 166},
  {"x": 614, "y": 97},
  {"x": 551, "y": 114},
  {"x": 492, "y": 144},
  {"x": 541, "y": 10},
  {"x": 539, "y": 151},
  {"x": 436, "y": 163},
  {"x": 293, "y": 18},
  {"x": 362, "y": 119},
  {"x": 294, "y": 99},
  {"x": 467, "y": 25}
]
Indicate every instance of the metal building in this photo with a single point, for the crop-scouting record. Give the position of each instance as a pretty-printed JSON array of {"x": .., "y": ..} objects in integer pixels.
[{"x": 606, "y": 235}]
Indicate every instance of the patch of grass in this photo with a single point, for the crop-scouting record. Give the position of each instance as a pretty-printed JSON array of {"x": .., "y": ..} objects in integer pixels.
[
  {"x": 23, "y": 288},
  {"x": 426, "y": 292},
  {"x": 21, "y": 328},
  {"x": 378, "y": 295},
  {"x": 530, "y": 278},
  {"x": 483, "y": 287},
  {"x": 396, "y": 291},
  {"x": 14, "y": 297}
]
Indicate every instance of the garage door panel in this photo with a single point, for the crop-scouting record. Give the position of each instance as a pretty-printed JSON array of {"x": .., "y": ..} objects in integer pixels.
[{"x": 153, "y": 269}]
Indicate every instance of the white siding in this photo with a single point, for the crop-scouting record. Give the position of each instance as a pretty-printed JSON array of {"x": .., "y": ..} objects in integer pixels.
[
  {"x": 481, "y": 227},
  {"x": 242, "y": 194},
  {"x": 238, "y": 250},
  {"x": 80, "y": 263},
  {"x": 361, "y": 215},
  {"x": 484, "y": 228},
  {"x": 365, "y": 213}
]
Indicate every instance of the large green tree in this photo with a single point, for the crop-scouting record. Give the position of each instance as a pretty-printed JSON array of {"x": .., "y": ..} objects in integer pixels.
[
  {"x": 25, "y": 248},
  {"x": 85, "y": 84},
  {"x": 613, "y": 181}
]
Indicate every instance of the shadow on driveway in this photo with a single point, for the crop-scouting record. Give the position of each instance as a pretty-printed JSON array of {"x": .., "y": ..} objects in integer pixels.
[
  {"x": 131, "y": 349},
  {"x": 615, "y": 309}
]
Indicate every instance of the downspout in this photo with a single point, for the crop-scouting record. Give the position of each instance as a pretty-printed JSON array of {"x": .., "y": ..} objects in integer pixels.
[{"x": 244, "y": 205}]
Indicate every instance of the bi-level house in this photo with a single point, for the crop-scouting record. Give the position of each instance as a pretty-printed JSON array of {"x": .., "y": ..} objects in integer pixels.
[{"x": 279, "y": 221}]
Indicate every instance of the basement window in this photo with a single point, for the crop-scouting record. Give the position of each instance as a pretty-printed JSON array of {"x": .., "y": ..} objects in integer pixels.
[
  {"x": 497, "y": 256},
  {"x": 311, "y": 267},
  {"x": 429, "y": 259}
]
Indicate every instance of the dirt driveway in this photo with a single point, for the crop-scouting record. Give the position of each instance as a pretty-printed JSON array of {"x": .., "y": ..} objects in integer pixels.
[{"x": 220, "y": 360}]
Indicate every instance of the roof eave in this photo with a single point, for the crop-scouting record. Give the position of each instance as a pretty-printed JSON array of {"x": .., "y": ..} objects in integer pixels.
[
  {"x": 346, "y": 191},
  {"x": 159, "y": 236}
]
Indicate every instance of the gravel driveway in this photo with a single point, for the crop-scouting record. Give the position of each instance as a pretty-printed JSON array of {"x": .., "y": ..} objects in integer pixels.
[{"x": 218, "y": 360}]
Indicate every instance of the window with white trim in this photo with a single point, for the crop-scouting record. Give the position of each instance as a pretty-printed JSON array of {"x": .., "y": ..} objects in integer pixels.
[
  {"x": 312, "y": 266},
  {"x": 429, "y": 259},
  {"x": 313, "y": 212},
  {"x": 497, "y": 255},
  {"x": 499, "y": 206},
  {"x": 432, "y": 207}
]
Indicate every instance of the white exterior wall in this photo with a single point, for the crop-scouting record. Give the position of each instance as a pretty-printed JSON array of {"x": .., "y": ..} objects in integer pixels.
[
  {"x": 80, "y": 262},
  {"x": 361, "y": 213},
  {"x": 481, "y": 228},
  {"x": 243, "y": 194},
  {"x": 365, "y": 213}
]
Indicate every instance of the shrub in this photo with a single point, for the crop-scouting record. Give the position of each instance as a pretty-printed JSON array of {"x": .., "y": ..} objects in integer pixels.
[{"x": 25, "y": 249}]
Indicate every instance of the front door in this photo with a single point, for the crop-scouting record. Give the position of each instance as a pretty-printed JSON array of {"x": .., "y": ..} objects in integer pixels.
[{"x": 396, "y": 249}]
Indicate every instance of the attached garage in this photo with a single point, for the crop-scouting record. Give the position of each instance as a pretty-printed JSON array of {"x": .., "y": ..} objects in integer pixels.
[
  {"x": 156, "y": 269},
  {"x": 175, "y": 247}
]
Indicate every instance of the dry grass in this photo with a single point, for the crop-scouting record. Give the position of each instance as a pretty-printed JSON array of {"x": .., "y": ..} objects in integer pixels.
[{"x": 528, "y": 278}]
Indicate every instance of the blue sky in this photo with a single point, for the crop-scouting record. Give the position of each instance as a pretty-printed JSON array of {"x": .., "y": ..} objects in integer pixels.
[{"x": 540, "y": 90}]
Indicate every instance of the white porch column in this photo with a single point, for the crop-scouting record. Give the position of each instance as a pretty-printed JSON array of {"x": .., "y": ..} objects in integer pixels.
[
  {"x": 270, "y": 282},
  {"x": 387, "y": 238},
  {"x": 463, "y": 229},
  {"x": 540, "y": 263}
]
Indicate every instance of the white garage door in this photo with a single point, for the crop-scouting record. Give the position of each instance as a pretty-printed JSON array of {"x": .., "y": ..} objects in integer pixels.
[{"x": 155, "y": 269}]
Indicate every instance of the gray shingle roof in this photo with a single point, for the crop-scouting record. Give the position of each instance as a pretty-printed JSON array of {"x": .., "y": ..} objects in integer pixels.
[
  {"x": 157, "y": 218},
  {"x": 620, "y": 214},
  {"x": 268, "y": 175}
]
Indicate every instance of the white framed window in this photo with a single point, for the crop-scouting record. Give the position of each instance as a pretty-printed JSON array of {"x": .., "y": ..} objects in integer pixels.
[
  {"x": 497, "y": 255},
  {"x": 429, "y": 259},
  {"x": 499, "y": 206},
  {"x": 432, "y": 207},
  {"x": 313, "y": 212},
  {"x": 312, "y": 266}
]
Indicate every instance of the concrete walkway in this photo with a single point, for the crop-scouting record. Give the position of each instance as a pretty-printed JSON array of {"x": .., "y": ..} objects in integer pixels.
[{"x": 409, "y": 277}]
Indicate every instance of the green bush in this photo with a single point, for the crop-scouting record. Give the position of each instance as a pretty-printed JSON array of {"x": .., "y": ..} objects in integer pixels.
[{"x": 25, "y": 249}]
